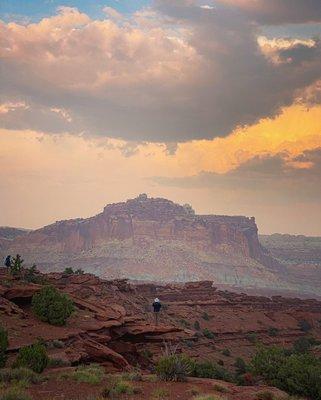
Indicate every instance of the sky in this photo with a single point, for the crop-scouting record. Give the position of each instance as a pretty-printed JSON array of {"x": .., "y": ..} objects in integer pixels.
[{"x": 216, "y": 103}]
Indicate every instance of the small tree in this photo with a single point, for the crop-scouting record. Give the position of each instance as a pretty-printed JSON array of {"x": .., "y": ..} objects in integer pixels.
[
  {"x": 16, "y": 265},
  {"x": 68, "y": 271},
  {"x": 3, "y": 346},
  {"x": 52, "y": 306},
  {"x": 33, "y": 357}
]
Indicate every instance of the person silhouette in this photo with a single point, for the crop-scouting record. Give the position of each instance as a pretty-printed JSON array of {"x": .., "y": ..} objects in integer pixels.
[
  {"x": 7, "y": 261},
  {"x": 157, "y": 305}
]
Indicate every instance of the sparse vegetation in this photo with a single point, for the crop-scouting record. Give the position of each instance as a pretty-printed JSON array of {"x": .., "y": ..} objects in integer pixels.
[
  {"x": 16, "y": 375},
  {"x": 197, "y": 325},
  {"x": 220, "y": 388},
  {"x": 14, "y": 394},
  {"x": 273, "y": 331},
  {"x": 32, "y": 275},
  {"x": 252, "y": 337},
  {"x": 207, "y": 397},
  {"x": 240, "y": 366},
  {"x": 304, "y": 325},
  {"x": 92, "y": 374},
  {"x": 70, "y": 271},
  {"x": 33, "y": 357},
  {"x": 117, "y": 386},
  {"x": 51, "y": 306},
  {"x": 226, "y": 352},
  {"x": 160, "y": 394},
  {"x": 3, "y": 346},
  {"x": 208, "y": 333},
  {"x": 266, "y": 395}
]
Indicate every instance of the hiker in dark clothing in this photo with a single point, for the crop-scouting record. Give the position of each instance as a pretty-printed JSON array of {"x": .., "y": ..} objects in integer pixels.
[
  {"x": 7, "y": 261},
  {"x": 157, "y": 307}
]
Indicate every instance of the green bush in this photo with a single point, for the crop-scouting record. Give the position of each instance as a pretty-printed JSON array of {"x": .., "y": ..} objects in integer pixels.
[
  {"x": 208, "y": 334},
  {"x": 52, "y": 306},
  {"x": 240, "y": 366},
  {"x": 304, "y": 325},
  {"x": 226, "y": 352},
  {"x": 252, "y": 337},
  {"x": 302, "y": 345},
  {"x": 266, "y": 395},
  {"x": 273, "y": 331},
  {"x": 68, "y": 271},
  {"x": 92, "y": 374},
  {"x": 197, "y": 326},
  {"x": 211, "y": 370},
  {"x": 33, "y": 357},
  {"x": 3, "y": 346},
  {"x": 16, "y": 265},
  {"x": 32, "y": 275},
  {"x": 116, "y": 386},
  {"x": 16, "y": 375},
  {"x": 14, "y": 394},
  {"x": 298, "y": 374},
  {"x": 173, "y": 367}
]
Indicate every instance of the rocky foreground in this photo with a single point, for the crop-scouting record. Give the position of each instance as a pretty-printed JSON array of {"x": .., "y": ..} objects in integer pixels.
[{"x": 113, "y": 323}]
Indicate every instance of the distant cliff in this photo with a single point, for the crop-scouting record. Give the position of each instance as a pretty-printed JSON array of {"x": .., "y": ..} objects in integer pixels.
[{"x": 157, "y": 240}]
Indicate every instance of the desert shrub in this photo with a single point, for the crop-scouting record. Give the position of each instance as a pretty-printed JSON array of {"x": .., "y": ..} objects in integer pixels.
[
  {"x": 32, "y": 275},
  {"x": 16, "y": 265},
  {"x": 3, "y": 346},
  {"x": 58, "y": 362},
  {"x": 52, "y": 306},
  {"x": 197, "y": 326},
  {"x": 246, "y": 379},
  {"x": 220, "y": 362},
  {"x": 301, "y": 374},
  {"x": 174, "y": 367},
  {"x": 205, "y": 316},
  {"x": 208, "y": 334},
  {"x": 252, "y": 337},
  {"x": 302, "y": 345},
  {"x": 68, "y": 271},
  {"x": 226, "y": 352},
  {"x": 295, "y": 373},
  {"x": 133, "y": 376},
  {"x": 92, "y": 374},
  {"x": 266, "y": 395},
  {"x": 33, "y": 357},
  {"x": 14, "y": 394},
  {"x": 304, "y": 325},
  {"x": 147, "y": 354},
  {"x": 273, "y": 331},
  {"x": 266, "y": 362},
  {"x": 209, "y": 369},
  {"x": 58, "y": 344},
  {"x": 116, "y": 386},
  {"x": 160, "y": 393},
  {"x": 16, "y": 375},
  {"x": 240, "y": 366},
  {"x": 220, "y": 388}
]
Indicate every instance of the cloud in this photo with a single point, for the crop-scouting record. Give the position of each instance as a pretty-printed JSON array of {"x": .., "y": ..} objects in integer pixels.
[
  {"x": 169, "y": 74},
  {"x": 275, "y": 12},
  {"x": 277, "y": 178}
]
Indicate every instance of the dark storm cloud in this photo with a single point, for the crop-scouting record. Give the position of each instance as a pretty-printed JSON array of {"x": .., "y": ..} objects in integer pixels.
[
  {"x": 276, "y": 12},
  {"x": 187, "y": 73}
]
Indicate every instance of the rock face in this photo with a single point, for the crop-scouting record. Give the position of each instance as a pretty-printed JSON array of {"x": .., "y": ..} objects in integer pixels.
[
  {"x": 143, "y": 220},
  {"x": 157, "y": 240}
]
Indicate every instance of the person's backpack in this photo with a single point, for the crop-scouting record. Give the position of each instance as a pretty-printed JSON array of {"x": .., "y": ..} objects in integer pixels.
[{"x": 7, "y": 262}]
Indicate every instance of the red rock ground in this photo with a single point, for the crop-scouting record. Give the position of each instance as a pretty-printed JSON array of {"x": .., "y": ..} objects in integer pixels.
[{"x": 113, "y": 325}]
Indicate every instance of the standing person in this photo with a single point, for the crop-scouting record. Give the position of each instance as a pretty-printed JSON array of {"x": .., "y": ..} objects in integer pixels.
[
  {"x": 7, "y": 261},
  {"x": 157, "y": 305}
]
